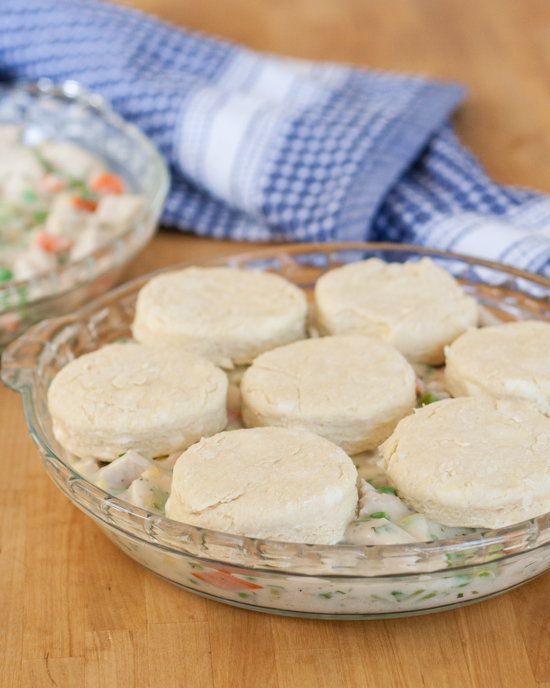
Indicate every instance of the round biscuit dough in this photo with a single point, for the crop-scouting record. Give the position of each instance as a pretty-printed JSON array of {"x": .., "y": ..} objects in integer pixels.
[
  {"x": 472, "y": 462},
  {"x": 417, "y": 307},
  {"x": 229, "y": 316},
  {"x": 131, "y": 396},
  {"x": 510, "y": 361},
  {"x": 350, "y": 389},
  {"x": 270, "y": 483}
]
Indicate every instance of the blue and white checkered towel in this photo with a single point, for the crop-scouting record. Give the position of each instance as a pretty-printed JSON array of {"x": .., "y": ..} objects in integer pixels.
[{"x": 267, "y": 148}]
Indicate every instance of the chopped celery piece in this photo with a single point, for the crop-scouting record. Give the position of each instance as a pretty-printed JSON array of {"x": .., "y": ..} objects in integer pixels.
[
  {"x": 378, "y": 514},
  {"x": 40, "y": 216},
  {"x": 42, "y": 160},
  {"x": 428, "y": 596}
]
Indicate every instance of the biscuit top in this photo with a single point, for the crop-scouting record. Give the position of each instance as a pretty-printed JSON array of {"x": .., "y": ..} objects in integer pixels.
[
  {"x": 504, "y": 361},
  {"x": 415, "y": 306},
  {"x": 134, "y": 387},
  {"x": 268, "y": 483},
  {"x": 325, "y": 377},
  {"x": 225, "y": 314},
  {"x": 387, "y": 292},
  {"x": 481, "y": 461}
]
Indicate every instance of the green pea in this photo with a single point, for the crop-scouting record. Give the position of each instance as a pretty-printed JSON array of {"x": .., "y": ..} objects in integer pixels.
[
  {"x": 5, "y": 275},
  {"x": 429, "y": 398}
]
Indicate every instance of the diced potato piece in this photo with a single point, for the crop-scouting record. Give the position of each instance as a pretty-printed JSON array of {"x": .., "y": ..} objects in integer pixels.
[
  {"x": 417, "y": 526},
  {"x": 147, "y": 495},
  {"x": 159, "y": 478}
]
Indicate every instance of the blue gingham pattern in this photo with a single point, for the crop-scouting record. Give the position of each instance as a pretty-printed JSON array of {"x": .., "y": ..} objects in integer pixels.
[{"x": 268, "y": 148}]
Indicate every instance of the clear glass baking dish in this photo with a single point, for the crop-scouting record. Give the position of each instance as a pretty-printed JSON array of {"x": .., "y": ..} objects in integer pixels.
[
  {"x": 336, "y": 582},
  {"x": 68, "y": 112}
]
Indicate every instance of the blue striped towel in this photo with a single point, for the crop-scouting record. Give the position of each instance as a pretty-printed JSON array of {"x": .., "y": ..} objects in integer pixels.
[{"x": 269, "y": 148}]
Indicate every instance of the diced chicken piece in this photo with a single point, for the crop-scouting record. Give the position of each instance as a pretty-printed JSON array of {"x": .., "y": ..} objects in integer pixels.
[
  {"x": 89, "y": 240},
  {"x": 118, "y": 211},
  {"x": 14, "y": 188},
  {"x": 377, "y": 531},
  {"x": 65, "y": 218},
  {"x": 20, "y": 161},
  {"x": 365, "y": 487},
  {"x": 32, "y": 263},
  {"x": 122, "y": 472},
  {"x": 71, "y": 159},
  {"x": 19, "y": 172},
  {"x": 372, "y": 502}
]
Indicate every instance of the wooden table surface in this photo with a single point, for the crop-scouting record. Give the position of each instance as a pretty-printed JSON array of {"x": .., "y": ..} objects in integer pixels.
[{"x": 74, "y": 611}]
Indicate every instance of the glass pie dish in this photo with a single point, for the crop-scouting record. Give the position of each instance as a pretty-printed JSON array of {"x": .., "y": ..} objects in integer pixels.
[
  {"x": 67, "y": 112},
  {"x": 320, "y": 581}
]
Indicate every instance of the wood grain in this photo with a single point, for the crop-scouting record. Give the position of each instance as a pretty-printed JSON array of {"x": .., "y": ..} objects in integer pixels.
[{"x": 75, "y": 611}]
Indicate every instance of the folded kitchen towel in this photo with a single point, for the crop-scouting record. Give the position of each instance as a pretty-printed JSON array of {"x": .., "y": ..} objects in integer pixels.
[{"x": 269, "y": 148}]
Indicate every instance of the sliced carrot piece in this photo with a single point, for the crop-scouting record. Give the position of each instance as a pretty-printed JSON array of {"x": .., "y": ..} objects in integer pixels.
[
  {"x": 84, "y": 204},
  {"x": 225, "y": 581},
  {"x": 107, "y": 183},
  {"x": 50, "y": 243},
  {"x": 9, "y": 323}
]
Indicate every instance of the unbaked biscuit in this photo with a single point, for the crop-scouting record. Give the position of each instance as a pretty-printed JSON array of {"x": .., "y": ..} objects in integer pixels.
[
  {"x": 416, "y": 306},
  {"x": 510, "y": 361},
  {"x": 472, "y": 462},
  {"x": 131, "y": 396},
  {"x": 271, "y": 483},
  {"x": 229, "y": 316},
  {"x": 351, "y": 389}
]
